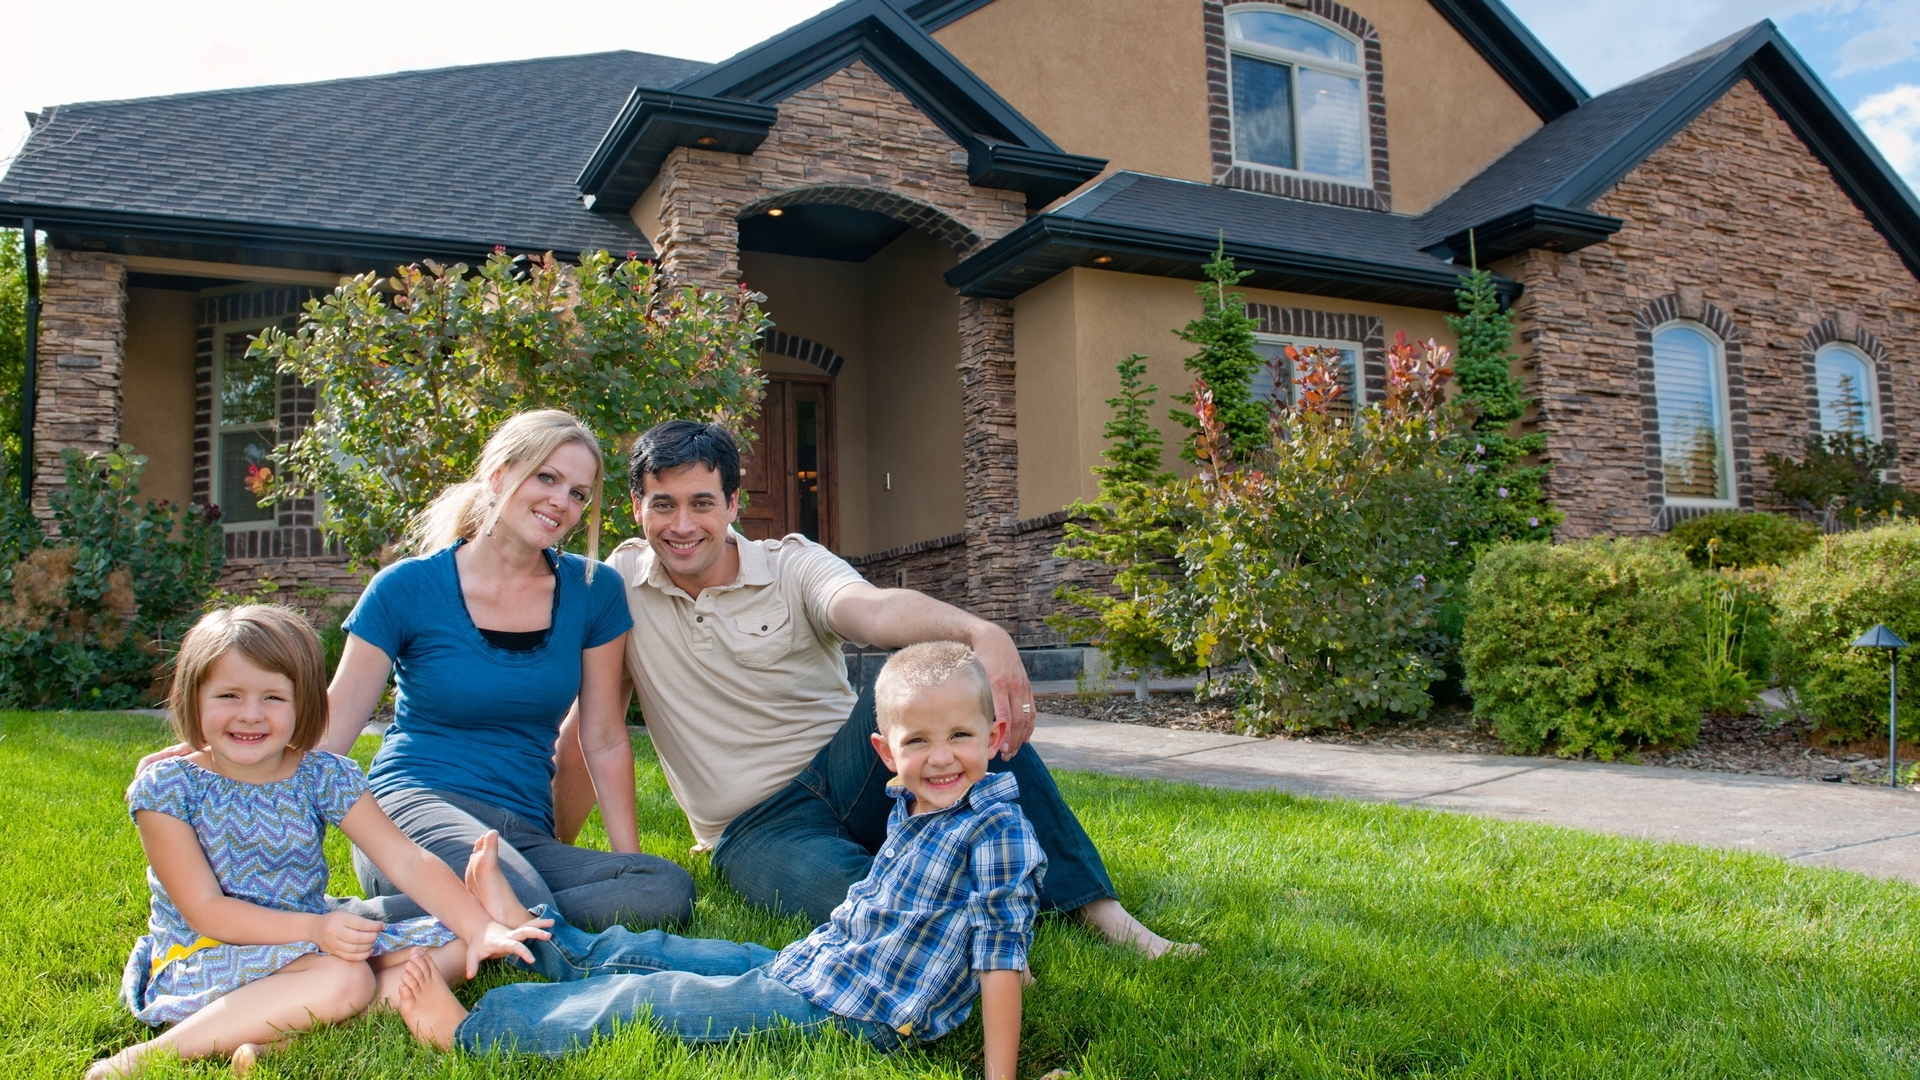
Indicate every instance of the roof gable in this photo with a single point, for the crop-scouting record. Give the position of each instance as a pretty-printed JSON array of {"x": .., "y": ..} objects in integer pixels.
[
  {"x": 1558, "y": 171},
  {"x": 730, "y": 106}
]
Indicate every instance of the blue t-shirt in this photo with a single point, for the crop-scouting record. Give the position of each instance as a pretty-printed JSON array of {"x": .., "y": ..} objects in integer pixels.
[{"x": 469, "y": 717}]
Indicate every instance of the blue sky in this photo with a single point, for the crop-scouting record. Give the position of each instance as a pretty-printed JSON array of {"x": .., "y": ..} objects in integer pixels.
[{"x": 1868, "y": 51}]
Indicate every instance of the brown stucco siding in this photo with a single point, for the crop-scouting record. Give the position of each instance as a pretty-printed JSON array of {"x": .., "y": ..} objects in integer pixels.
[{"x": 1735, "y": 216}]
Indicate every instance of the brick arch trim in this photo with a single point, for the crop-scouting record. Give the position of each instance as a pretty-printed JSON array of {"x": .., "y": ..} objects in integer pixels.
[
  {"x": 1670, "y": 308},
  {"x": 919, "y": 215},
  {"x": 1832, "y": 330},
  {"x": 1366, "y": 331},
  {"x": 1375, "y": 195},
  {"x": 782, "y": 343}
]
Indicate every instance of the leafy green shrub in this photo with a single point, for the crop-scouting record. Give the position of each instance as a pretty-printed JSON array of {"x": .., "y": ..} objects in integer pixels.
[
  {"x": 421, "y": 368},
  {"x": 1735, "y": 538},
  {"x": 1308, "y": 561},
  {"x": 1842, "y": 475},
  {"x": 1594, "y": 646},
  {"x": 88, "y": 619},
  {"x": 1830, "y": 596}
]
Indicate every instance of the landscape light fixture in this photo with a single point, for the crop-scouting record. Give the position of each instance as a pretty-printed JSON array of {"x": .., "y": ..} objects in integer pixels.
[{"x": 1882, "y": 638}]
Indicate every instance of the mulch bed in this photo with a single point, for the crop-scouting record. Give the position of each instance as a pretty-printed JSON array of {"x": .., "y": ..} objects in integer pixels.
[{"x": 1758, "y": 744}]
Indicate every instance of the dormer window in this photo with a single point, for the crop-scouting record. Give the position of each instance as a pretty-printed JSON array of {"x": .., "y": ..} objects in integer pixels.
[{"x": 1298, "y": 97}]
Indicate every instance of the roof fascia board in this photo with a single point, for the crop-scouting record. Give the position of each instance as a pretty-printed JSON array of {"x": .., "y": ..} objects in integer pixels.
[
  {"x": 651, "y": 125},
  {"x": 1555, "y": 228},
  {"x": 935, "y": 14},
  {"x": 1534, "y": 73},
  {"x": 372, "y": 246},
  {"x": 989, "y": 272},
  {"x": 1804, "y": 102},
  {"x": 1043, "y": 175}
]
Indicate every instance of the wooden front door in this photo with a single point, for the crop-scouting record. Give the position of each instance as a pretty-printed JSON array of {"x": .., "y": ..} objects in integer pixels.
[{"x": 787, "y": 479}]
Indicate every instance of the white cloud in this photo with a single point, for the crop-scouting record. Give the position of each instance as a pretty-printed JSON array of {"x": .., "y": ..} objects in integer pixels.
[
  {"x": 1892, "y": 120},
  {"x": 1894, "y": 36},
  {"x": 1606, "y": 44}
]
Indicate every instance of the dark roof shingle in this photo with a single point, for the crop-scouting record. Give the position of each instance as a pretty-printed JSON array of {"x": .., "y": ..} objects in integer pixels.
[{"x": 483, "y": 154}]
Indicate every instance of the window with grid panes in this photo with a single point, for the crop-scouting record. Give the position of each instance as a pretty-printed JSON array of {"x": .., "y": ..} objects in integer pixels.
[{"x": 1298, "y": 94}]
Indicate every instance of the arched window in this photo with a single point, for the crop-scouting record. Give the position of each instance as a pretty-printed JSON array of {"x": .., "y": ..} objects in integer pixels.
[
  {"x": 1690, "y": 391},
  {"x": 1299, "y": 100},
  {"x": 1844, "y": 378}
]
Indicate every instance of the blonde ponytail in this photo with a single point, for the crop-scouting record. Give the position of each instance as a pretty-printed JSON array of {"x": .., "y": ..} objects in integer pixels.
[{"x": 467, "y": 510}]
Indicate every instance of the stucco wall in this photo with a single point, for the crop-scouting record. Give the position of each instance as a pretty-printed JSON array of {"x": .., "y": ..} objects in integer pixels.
[
  {"x": 1072, "y": 330},
  {"x": 913, "y": 396},
  {"x": 1736, "y": 214},
  {"x": 1122, "y": 81},
  {"x": 158, "y": 389},
  {"x": 1449, "y": 114}
]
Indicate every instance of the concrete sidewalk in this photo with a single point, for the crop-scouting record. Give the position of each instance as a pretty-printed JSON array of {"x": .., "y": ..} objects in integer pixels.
[{"x": 1870, "y": 830}]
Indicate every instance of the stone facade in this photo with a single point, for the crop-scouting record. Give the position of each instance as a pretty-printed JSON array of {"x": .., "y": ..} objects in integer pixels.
[
  {"x": 1735, "y": 220},
  {"x": 82, "y": 357},
  {"x": 855, "y": 140}
]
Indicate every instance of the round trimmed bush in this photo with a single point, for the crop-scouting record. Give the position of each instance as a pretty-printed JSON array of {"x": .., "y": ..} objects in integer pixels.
[
  {"x": 1746, "y": 539},
  {"x": 1592, "y": 646},
  {"x": 1830, "y": 596}
]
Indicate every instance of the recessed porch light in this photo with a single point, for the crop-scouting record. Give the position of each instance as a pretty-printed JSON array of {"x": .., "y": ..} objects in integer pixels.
[
  {"x": 706, "y": 140},
  {"x": 775, "y": 212},
  {"x": 1102, "y": 260}
]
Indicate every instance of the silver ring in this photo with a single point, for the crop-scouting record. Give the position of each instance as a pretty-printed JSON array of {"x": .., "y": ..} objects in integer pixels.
[{"x": 1026, "y": 708}]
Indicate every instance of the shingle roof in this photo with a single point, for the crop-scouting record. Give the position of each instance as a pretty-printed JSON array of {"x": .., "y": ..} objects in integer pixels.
[{"x": 483, "y": 154}]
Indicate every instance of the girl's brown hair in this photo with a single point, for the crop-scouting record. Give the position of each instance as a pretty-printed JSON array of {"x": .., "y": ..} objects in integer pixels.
[{"x": 273, "y": 637}]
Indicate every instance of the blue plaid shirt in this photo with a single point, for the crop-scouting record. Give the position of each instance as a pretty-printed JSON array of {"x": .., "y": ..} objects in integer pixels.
[{"x": 951, "y": 893}]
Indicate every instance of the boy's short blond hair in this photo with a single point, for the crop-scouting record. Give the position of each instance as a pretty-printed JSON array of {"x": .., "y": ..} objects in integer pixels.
[
  {"x": 928, "y": 664},
  {"x": 278, "y": 639}
]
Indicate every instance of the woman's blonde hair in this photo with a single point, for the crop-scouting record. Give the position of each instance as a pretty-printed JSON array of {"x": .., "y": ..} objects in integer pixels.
[
  {"x": 519, "y": 446},
  {"x": 273, "y": 637}
]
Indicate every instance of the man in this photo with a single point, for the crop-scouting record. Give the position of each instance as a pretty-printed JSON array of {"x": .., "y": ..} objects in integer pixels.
[{"x": 736, "y": 654}]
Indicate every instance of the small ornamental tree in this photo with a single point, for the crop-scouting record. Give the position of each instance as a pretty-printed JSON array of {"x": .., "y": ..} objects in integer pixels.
[
  {"x": 1227, "y": 361},
  {"x": 88, "y": 617},
  {"x": 1840, "y": 477},
  {"x": 417, "y": 371},
  {"x": 1122, "y": 531},
  {"x": 1308, "y": 560},
  {"x": 1505, "y": 495}
]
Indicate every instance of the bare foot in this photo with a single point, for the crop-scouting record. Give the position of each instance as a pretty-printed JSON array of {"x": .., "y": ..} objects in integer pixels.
[
  {"x": 1121, "y": 928},
  {"x": 125, "y": 1063},
  {"x": 1026, "y": 976},
  {"x": 491, "y": 887},
  {"x": 246, "y": 1057},
  {"x": 431, "y": 1011}
]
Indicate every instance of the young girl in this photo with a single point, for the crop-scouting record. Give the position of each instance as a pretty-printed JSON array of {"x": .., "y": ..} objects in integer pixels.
[{"x": 243, "y": 946}]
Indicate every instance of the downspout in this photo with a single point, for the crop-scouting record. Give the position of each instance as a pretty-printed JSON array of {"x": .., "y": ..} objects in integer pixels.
[{"x": 28, "y": 398}]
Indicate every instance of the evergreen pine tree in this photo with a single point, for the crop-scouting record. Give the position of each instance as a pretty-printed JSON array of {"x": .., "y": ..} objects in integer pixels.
[
  {"x": 1507, "y": 494},
  {"x": 1124, "y": 530},
  {"x": 1227, "y": 360}
]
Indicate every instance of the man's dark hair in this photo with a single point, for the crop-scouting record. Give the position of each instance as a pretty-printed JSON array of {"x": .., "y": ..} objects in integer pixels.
[{"x": 685, "y": 442}]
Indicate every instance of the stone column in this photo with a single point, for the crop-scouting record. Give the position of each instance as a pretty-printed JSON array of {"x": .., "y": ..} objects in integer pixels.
[
  {"x": 992, "y": 457},
  {"x": 83, "y": 333},
  {"x": 699, "y": 240}
]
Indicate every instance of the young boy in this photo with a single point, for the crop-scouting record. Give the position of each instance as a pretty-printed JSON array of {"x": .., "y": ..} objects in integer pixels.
[{"x": 945, "y": 915}]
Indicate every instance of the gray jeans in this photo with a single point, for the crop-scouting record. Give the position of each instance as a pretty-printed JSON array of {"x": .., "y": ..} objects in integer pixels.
[{"x": 589, "y": 888}]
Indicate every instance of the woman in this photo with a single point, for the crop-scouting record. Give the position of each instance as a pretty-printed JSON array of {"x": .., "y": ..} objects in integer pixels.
[{"x": 493, "y": 632}]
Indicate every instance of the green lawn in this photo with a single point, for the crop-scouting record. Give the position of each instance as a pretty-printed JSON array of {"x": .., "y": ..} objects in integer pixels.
[{"x": 1346, "y": 940}]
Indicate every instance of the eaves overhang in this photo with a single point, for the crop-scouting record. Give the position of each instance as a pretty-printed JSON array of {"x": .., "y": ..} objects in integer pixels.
[
  {"x": 1554, "y": 228},
  {"x": 651, "y": 125},
  {"x": 248, "y": 243},
  {"x": 1004, "y": 149},
  {"x": 1050, "y": 244},
  {"x": 1505, "y": 42}
]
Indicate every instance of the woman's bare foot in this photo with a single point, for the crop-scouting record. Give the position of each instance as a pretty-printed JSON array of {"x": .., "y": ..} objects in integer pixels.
[
  {"x": 491, "y": 887},
  {"x": 431, "y": 1011},
  {"x": 1121, "y": 928}
]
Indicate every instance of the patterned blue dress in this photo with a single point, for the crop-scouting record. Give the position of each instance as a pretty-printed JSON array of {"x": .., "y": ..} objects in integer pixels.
[{"x": 264, "y": 842}]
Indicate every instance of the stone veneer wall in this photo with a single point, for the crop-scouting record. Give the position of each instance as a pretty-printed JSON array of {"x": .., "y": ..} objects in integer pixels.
[
  {"x": 1736, "y": 211},
  {"x": 853, "y": 139},
  {"x": 82, "y": 358},
  {"x": 937, "y": 567}
]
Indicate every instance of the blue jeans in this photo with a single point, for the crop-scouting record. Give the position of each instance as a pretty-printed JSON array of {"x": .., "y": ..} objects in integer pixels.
[
  {"x": 699, "y": 989},
  {"x": 803, "y": 847}
]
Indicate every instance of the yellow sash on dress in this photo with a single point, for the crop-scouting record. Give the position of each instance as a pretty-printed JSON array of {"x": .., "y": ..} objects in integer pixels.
[{"x": 181, "y": 952}]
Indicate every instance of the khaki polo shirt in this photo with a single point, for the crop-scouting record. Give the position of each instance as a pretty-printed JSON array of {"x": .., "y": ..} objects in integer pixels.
[{"x": 742, "y": 686}]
